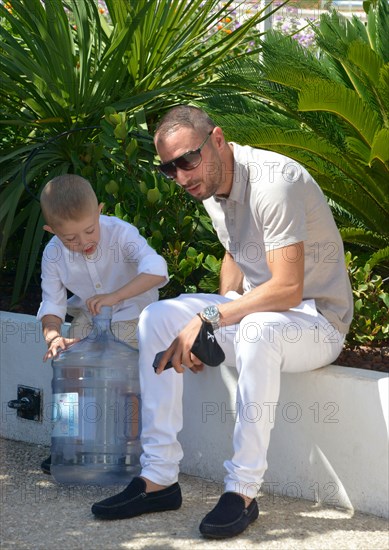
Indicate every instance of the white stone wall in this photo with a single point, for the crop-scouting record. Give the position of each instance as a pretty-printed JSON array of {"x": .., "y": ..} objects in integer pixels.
[{"x": 330, "y": 436}]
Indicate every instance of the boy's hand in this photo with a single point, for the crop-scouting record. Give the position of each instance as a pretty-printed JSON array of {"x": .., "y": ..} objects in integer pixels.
[
  {"x": 94, "y": 303},
  {"x": 56, "y": 345}
]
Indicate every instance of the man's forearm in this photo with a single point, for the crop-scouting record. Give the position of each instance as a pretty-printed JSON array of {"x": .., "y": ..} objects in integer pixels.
[
  {"x": 282, "y": 291},
  {"x": 231, "y": 277}
]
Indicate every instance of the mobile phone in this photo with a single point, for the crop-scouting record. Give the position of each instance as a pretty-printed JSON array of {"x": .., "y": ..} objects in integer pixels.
[{"x": 157, "y": 359}]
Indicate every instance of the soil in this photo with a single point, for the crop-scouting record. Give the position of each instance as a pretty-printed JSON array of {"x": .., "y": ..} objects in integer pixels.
[
  {"x": 365, "y": 357},
  {"x": 362, "y": 357}
]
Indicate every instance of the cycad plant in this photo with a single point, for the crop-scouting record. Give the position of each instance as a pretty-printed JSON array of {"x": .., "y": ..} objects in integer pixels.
[
  {"x": 329, "y": 111},
  {"x": 62, "y": 63}
]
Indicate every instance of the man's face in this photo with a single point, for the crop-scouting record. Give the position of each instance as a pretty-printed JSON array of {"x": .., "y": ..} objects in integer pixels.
[{"x": 206, "y": 178}]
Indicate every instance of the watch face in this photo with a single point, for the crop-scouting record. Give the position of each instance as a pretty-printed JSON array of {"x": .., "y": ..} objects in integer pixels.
[{"x": 211, "y": 313}]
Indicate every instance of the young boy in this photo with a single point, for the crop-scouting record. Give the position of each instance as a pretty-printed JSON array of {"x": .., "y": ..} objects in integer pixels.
[{"x": 102, "y": 260}]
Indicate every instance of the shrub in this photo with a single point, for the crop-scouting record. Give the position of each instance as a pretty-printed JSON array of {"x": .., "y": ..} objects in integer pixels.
[
  {"x": 371, "y": 304},
  {"x": 62, "y": 62},
  {"x": 327, "y": 111}
]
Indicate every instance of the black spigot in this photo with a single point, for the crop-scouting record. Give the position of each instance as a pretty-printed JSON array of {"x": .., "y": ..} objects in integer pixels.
[
  {"x": 24, "y": 404},
  {"x": 28, "y": 404}
]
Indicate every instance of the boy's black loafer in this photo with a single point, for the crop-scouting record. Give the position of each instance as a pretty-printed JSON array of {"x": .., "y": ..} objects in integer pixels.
[
  {"x": 229, "y": 517},
  {"x": 134, "y": 501},
  {"x": 46, "y": 465}
]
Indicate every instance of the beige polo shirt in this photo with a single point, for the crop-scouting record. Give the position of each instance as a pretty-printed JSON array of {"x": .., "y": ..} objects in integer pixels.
[{"x": 274, "y": 202}]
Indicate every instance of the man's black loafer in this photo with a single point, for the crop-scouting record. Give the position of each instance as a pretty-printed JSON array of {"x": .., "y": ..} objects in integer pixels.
[
  {"x": 46, "y": 465},
  {"x": 134, "y": 501},
  {"x": 229, "y": 517}
]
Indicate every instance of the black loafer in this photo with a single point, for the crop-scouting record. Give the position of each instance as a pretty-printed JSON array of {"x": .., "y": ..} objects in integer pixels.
[
  {"x": 134, "y": 501},
  {"x": 46, "y": 465},
  {"x": 229, "y": 517}
]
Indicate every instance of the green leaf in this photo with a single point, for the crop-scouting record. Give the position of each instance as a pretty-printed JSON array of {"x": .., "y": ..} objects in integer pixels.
[
  {"x": 380, "y": 146},
  {"x": 380, "y": 256},
  {"x": 343, "y": 102},
  {"x": 191, "y": 252},
  {"x": 384, "y": 296}
]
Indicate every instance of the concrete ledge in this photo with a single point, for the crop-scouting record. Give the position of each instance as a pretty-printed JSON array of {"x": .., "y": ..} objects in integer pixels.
[
  {"x": 21, "y": 355},
  {"x": 330, "y": 438}
]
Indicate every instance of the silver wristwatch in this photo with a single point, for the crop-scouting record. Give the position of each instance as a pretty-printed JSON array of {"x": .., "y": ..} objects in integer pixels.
[{"x": 211, "y": 314}]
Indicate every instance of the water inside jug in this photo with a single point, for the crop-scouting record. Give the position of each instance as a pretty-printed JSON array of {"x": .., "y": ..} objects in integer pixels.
[{"x": 96, "y": 409}]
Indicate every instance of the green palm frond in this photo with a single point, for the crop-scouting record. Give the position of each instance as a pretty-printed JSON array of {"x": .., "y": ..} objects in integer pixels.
[
  {"x": 331, "y": 113},
  {"x": 366, "y": 60},
  {"x": 358, "y": 235},
  {"x": 343, "y": 217},
  {"x": 380, "y": 147},
  {"x": 383, "y": 91},
  {"x": 345, "y": 103},
  {"x": 377, "y": 27},
  {"x": 268, "y": 137},
  {"x": 338, "y": 176},
  {"x": 335, "y": 33},
  {"x": 375, "y": 243},
  {"x": 292, "y": 59},
  {"x": 62, "y": 64},
  {"x": 379, "y": 257}
]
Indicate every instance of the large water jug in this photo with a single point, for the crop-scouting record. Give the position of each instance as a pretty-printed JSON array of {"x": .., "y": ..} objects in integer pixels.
[{"x": 96, "y": 409}]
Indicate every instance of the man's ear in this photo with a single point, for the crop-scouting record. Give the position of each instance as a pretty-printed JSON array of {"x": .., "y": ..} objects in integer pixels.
[
  {"x": 48, "y": 228},
  {"x": 101, "y": 206},
  {"x": 219, "y": 136}
]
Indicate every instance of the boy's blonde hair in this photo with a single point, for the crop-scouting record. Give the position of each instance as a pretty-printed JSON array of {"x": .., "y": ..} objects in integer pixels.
[{"x": 67, "y": 197}]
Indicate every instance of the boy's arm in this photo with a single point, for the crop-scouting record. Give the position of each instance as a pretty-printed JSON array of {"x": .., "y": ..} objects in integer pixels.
[
  {"x": 141, "y": 283},
  {"x": 52, "y": 309},
  {"x": 51, "y": 328}
]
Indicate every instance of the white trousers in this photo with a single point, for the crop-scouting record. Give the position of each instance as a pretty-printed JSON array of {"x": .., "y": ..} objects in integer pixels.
[{"x": 261, "y": 346}]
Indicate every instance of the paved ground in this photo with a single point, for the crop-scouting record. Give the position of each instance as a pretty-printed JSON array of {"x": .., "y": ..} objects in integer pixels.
[{"x": 38, "y": 514}]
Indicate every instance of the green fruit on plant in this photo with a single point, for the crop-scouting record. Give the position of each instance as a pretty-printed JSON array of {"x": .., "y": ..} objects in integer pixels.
[
  {"x": 114, "y": 119},
  {"x": 120, "y": 131},
  {"x": 112, "y": 187},
  {"x": 143, "y": 187},
  {"x": 153, "y": 195}
]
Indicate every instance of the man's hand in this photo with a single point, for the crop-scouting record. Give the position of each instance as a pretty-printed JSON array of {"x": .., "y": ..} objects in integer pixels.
[
  {"x": 57, "y": 344},
  {"x": 179, "y": 350}
]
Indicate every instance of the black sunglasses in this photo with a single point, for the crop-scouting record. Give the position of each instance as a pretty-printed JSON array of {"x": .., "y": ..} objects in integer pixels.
[{"x": 187, "y": 161}]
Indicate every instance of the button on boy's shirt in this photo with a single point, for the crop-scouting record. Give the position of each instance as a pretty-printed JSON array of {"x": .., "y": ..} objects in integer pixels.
[{"x": 121, "y": 255}]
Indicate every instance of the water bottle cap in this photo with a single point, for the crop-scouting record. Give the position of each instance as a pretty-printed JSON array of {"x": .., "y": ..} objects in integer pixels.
[{"x": 105, "y": 313}]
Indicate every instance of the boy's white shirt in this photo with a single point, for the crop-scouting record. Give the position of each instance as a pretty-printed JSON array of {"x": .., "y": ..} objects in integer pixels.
[{"x": 121, "y": 255}]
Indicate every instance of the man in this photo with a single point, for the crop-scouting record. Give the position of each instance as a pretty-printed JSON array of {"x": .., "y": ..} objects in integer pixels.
[{"x": 283, "y": 271}]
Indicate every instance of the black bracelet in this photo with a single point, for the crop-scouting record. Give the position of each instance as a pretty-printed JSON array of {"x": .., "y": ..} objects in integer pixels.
[{"x": 52, "y": 340}]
